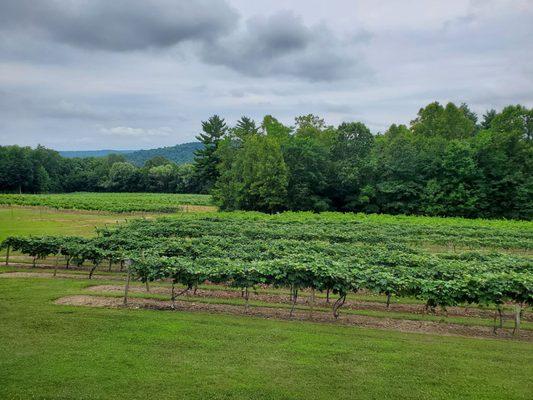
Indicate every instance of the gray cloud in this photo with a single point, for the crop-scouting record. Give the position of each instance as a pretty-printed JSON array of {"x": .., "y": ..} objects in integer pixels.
[
  {"x": 279, "y": 44},
  {"x": 282, "y": 44},
  {"x": 129, "y": 73},
  {"x": 120, "y": 25}
]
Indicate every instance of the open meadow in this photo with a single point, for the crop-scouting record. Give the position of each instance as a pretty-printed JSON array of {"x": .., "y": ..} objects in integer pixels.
[{"x": 223, "y": 305}]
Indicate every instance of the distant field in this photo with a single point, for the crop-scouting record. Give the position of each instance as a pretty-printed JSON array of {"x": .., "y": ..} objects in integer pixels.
[
  {"x": 38, "y": 221},
  {"x": 114, "y": 202}
]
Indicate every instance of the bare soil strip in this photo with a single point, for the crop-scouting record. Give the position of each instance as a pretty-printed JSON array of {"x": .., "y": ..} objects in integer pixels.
[
  {"x": 418, "y": 309},
  {"x": 426, "y": 327}
]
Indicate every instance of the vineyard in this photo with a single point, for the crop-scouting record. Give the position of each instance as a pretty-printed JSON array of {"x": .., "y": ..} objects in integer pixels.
[
  {"x": 112, "y": 202},
  {"x": 441, "y": 263}
]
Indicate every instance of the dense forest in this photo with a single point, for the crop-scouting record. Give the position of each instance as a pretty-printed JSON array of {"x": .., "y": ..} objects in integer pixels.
[
  {"x": 446, "y": 162},
  {"x": 180, "y": 154},
  {"x": 41, "y": 170}
]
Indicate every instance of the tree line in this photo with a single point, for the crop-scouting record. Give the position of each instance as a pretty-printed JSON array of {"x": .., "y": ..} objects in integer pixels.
[
  {"x": 41, "y": 170},
  {"x": 447, "y": 162}
]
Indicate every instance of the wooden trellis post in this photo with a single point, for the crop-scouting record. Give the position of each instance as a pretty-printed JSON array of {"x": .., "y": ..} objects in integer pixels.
[{"x": 127, "y": 287}]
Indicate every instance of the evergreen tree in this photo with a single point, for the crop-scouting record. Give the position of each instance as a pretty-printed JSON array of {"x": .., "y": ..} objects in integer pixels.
[
  {"x": 244, "y": 128},
  {"x": 206, "y": 158}
]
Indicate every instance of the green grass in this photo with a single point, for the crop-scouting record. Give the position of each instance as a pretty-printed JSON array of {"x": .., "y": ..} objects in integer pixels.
[
  {"x": 51, "y": 352},
  {"x": 115, "y": 202},
  {"x": 35, "y": 221}
]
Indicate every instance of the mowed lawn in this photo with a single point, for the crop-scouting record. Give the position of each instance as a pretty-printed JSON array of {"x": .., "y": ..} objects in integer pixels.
[{"x": 64, "y": 352}]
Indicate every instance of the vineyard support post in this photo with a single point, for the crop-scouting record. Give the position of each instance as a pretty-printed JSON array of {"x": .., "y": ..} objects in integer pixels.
[
  {"x": 312, "y": 303},
  {"x": 246, "y": 298},
  {"x": 173, "y": 295},
  {"x": 294, "y": 300},
  {"x": 7, "y": 253},
  {"x": 127, "y": 287},
  {"x": 517, "y": 314},
  {"x": 57, "y": 262}
]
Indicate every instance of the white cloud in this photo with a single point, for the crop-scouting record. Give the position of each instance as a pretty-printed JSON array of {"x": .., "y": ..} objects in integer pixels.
[{"x": 128, "y": 131}]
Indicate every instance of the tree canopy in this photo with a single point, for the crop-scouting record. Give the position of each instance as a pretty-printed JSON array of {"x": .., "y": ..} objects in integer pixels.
[{"x": 447, "y": 162}]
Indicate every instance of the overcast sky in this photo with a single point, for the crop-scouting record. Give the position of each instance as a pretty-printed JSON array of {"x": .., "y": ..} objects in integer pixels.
[{"x": 130, "y": 74}]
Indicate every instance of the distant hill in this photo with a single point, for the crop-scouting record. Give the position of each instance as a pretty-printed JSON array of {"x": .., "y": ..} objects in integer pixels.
[
  {"x": 92, "y": 153},
  {"x": 180, "y": 153}
]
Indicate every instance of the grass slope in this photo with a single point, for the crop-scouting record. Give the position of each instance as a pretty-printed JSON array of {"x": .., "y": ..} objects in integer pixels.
[{"x": 51, "y": 351}]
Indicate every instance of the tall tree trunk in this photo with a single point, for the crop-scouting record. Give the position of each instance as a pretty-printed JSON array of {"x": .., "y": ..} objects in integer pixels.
[{"x": 110, "y": 262}]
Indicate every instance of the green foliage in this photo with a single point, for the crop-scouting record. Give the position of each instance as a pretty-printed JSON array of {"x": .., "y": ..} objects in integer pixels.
[
  {"x": 340, "y": 254},
  {"x": 256, "y": 179},
  {"x": 115, "y": 202},
  {"x": 179, "y": 154},
  {"x": 206, "y": 158},
  {"x": 450, "y": 122},
  {"x": 444, "y": 164}
]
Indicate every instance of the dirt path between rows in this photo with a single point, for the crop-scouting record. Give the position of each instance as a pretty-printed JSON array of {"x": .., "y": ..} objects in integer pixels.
[
  {"x": 410, "y": 326},
  {"x": 417, "y": 309}
]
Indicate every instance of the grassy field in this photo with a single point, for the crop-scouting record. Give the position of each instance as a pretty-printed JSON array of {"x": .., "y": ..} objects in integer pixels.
[
  {"x": 114, "y": 202},
  {"x": 41, "y": 221},
  {"x": 54, "y": 351},
  {"x": 50, "y": 351}
]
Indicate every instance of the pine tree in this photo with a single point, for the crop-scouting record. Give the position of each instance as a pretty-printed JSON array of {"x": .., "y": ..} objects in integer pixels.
[{"x": 206, "y": 159}]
